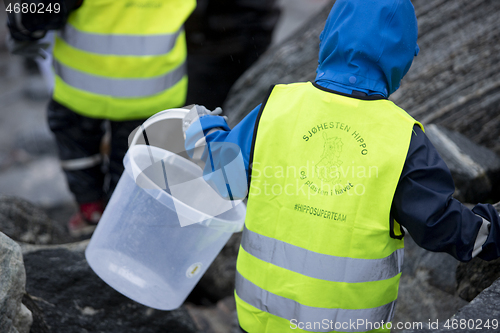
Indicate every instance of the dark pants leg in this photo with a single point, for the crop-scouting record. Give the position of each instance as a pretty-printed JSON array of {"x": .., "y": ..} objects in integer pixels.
[
  {"x": 78, "y": 139},
  {"x": 120, "y": 131}
]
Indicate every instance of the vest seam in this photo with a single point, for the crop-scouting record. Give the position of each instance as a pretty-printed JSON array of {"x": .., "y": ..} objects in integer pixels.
[
  {"x": 252, "y": 148},
  {"x": 364, "y": 98}
]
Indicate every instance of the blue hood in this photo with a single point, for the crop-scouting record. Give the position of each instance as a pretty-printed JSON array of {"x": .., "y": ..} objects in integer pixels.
[{"x": 367, "y": 45}]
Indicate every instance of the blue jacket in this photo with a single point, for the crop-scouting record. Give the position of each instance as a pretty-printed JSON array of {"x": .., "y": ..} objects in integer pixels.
[{"x": 366, "y": 50}]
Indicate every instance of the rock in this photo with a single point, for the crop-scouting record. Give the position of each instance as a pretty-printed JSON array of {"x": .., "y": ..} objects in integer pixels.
[
  {"x": 14, "y": 158},
  {"x": 14, "y": 316},
  {"x": 439, "y": 267},
  {"x": 39, "y": 325},
  {"x": 476, "y": 275},
  {"x": 455, "y": 79},
  {"x": 486, "y": 306},
  {"x": 418, "y": 301},
  {"x": 25, "y": 222},
  {"x": 3, "y": 33},
  {"x": 215, "y": 319},
  {"x": 483, "y": 310},
  {"x": 23, "y": 320},
  {"x": 73, "y": 299},
  {"x": 38, "y": 141},
  {"x": 427, "y": 288},
  {"x": 218, "y": 281},
  {"x": 40, "y": 181},
  {"x": 475, "y": 169},
  {"x": 36, "y": 88}
]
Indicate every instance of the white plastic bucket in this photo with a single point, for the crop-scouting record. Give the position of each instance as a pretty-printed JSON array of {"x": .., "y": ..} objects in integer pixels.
[{"x": 139, "y": 247}]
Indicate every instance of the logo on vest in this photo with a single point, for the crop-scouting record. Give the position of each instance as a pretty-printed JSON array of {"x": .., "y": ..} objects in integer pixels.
[
  {"x": 327, "y": 169},
  {"x": 339, "y": 128},
  {"x": 330, "y": 175}
]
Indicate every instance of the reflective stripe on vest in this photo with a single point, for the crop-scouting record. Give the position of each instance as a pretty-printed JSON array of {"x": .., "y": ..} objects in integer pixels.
[
  {"x": 316, "y": 244},
  {"x": 124, "y": 45},
  {"x": 118, "y": 87},
  {"x": 289, "y": 309},
  {"x": 318, "y": 265}
]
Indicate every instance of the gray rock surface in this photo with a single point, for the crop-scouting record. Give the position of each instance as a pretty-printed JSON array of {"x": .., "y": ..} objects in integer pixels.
[
  {"x": 72, "y": 299},
  {"x": 39, "y": 180},
  {"x": 37, "y": 142},
  {"x": 218, "y": 281},
  {"x": 39, "y": 325},
  {"x": 220, "y": 318},
  {"x": 485, "y": 308},
  {"x": 427, "y": 289},
  {"x": 455, "y": 79},
  {"x": 24, "y": 319},
  {"x": 25, "y": 222},
  {"x": 475, "y": 169},
  {"x": 475, "y": 276},
  {"x": 439, "y": 267},
  {"x": 14, "y": 316}
]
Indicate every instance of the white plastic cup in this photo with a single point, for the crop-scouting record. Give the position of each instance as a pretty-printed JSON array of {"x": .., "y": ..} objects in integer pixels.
[{"x": 139, "y": 247}]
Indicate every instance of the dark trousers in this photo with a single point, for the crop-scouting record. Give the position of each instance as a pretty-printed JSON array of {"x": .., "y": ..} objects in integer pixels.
[{"x": 79, "y": 137}]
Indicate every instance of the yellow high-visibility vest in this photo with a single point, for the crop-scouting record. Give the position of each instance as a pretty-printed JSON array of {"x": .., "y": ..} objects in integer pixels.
[
  {"x": 319, "y": 252},
  {"x": 122, "y": 60}
]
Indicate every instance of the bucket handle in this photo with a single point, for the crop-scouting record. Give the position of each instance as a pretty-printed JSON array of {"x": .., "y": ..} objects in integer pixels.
[{"x": 162, "y": 115}]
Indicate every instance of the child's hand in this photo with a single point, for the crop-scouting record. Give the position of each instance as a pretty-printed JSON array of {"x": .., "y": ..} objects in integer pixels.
[{"x": 196, "y": 112}]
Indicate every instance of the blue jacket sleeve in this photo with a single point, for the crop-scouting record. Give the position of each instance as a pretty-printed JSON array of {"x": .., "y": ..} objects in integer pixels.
[
  {"x": 241, "y": 135},
  {"x": 226, "y": 153},
  {"x": 424, "y": 205}
]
